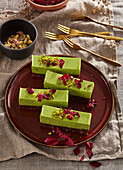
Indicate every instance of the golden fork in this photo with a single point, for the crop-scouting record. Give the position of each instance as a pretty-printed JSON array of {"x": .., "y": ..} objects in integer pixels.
[
  {"x": 79, "y": 16},
  {"x": 78, "y": 47},
  {"x": 61, "y": 36},
  {"x": 68, "y": 30}
]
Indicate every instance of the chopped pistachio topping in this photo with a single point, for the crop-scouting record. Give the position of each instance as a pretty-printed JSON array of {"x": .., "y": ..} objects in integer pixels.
[
  {"x": 65, "y": 113},
  {"x": 51, "y": 61}
]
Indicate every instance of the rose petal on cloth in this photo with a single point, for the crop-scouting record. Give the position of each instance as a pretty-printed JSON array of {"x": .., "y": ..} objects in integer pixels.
[
  {"x": 76, "y": 151},
  {"x": 82, "y": 158},
  {"x": 69, "y": 142},
  {"x": 95, "y": 164},
  {"x": 88, "y": 148}
]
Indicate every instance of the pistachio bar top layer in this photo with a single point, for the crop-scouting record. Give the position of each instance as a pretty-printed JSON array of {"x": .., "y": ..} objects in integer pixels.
[
  {"x": 47, "y": 116},
  {"x": 52, "y": 81},
  {"x": 59, "y": 99},
  {"x": 71, "y": 65}
]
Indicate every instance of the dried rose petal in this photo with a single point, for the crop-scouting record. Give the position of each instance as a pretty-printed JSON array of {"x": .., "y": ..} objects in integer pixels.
[
  {"x": 88, "y": 147},
  {"x": 52, "y": 90},
  {"x": 76, "y": 113},
  {"x": 39, "y": 98},
  {"x": 69, "y": 142},
  {"x": 70, "y": 117},
  {"x": 58, "y": 137},
  {"x": 95, "y": 164},
  {"x": 58, "y": 131},
  {"x": 46, "y": 96},
  {"x": 52, "y": 140},
  {"x": 61, "y": 63},
  {"x": 64, "y": 82},
  {"x": 30, "y": 90},
  {"x": 66, "y": 76},
  {"x": 90, "y": 105},
  {"x": 54, "y": 64},
  {"x": 76, "y": 151},
  {"x": 78, "y": 83},
  {"x": 48, "y": 63},
  {"x": 103, "y": 98},
  {"x": 94, "y": 102},
  {"x": 82, "y": 158}
]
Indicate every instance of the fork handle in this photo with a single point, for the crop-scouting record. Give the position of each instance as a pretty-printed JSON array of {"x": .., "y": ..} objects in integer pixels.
[
  {"x": 101, "y": 36},
  {"x": 115, "y": 63},
  {"x": 102, "y": 33}
]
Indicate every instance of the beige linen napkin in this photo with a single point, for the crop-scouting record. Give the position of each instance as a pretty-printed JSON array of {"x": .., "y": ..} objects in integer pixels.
[{"x": 108, "y": 143}]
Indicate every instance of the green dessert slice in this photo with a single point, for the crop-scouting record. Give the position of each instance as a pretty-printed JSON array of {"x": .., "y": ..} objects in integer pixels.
[
  {"x": 71, "y": 65},
  {"x": 59, "y": 99},
  {"x": 82, "y": 122},
  {"x": 52, "y": 81}
]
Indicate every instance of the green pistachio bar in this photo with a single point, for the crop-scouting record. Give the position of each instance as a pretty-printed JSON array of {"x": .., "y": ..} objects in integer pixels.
[
  {"x": 71, "y": 65},
  {"x": 82, "y": 122},
  {"x": 59, "y": 99},
  {"x": 52, "y": 81}
]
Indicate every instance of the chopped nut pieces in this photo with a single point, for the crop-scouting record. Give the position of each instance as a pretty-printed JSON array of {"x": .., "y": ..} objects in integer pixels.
[
  {"x": 69, "y": 81},
  {"x": 18, "y": 41},
  {"x": 51, "y": 61},
  {"x": 65, "y": 113},
  {"x": 48, "y": 95}
]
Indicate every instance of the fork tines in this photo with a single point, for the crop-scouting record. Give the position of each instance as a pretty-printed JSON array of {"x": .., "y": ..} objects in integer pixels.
[
  {"x": 68, "y": 42},
  {"x": 51, "y": 35},
  {"x": 64, "y": 29}
]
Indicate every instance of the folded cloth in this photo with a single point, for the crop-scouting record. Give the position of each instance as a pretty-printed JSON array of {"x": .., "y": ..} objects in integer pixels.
[{"x": 109, "y": 142}]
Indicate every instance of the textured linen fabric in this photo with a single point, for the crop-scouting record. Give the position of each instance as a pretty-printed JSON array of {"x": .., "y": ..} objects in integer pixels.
[{"x": 107, "y": 144}]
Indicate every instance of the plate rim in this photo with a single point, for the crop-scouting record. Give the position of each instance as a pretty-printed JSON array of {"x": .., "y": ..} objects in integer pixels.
[{"x": 62, "y": 146}]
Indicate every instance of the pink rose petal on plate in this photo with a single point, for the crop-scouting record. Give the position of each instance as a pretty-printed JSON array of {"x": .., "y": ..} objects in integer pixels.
[
  {"x": 69, "y": 142},
  {"x": 58, "y": 131},
  {"x": 95, "y": 164},
  {"x": 103, "y": 98},
  {"x": 52, "y": 140}
]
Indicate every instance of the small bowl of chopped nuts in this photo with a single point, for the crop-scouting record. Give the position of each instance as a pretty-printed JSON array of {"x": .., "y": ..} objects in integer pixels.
[
  {"x": 47, "y": 5},
  {"x": 18, "y": 38}
]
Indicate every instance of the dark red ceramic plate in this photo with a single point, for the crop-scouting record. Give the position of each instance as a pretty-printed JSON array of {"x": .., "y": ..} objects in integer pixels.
[{"x": 26, "y": 120}]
